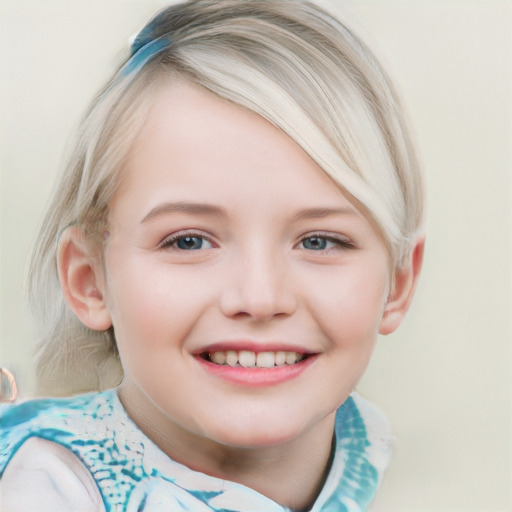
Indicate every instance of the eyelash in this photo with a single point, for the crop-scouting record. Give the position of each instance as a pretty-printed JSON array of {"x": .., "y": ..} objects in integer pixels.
[
  {"x": 173, "y": 239},
  {"x": 340, "y": 241}
]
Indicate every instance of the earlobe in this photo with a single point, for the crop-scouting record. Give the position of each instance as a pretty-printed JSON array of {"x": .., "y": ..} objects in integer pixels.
[
  {"x": 81, "y": 280},
  {"x": 406, "y": 280}
]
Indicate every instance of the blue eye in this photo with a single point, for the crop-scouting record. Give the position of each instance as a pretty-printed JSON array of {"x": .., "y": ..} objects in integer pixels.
[
  {"x": 315, "y": 243},
  {"x": 324, "y": 243},
  {"x": 190, "y": 243},
  {"x": 187, "y": 243}
]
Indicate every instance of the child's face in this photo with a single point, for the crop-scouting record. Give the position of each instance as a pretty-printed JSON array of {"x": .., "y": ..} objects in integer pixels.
[{"x": 226, "y": 236}]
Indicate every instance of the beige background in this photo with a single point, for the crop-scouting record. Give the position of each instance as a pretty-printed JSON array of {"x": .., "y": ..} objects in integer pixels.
[{"x": 444, "y": 378}]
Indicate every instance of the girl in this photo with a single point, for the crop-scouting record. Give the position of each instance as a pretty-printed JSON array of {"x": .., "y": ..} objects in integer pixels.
[{"x": 239, "y": 220}]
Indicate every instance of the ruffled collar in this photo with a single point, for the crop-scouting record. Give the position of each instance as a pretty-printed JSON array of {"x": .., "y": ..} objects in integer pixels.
[{"x": 362, "y": 453}]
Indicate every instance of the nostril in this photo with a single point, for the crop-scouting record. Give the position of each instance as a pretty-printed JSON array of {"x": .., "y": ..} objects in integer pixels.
[{"x": 258, "y": 291}]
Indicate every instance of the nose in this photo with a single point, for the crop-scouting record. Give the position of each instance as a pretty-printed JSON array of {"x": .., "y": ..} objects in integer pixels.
[{"x": 259, "y": 287}]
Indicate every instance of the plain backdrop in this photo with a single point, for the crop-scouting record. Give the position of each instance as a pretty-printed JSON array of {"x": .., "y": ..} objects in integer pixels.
[{"x": 444, "y": 378}]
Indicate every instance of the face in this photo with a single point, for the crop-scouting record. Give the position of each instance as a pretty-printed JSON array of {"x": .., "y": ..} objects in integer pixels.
[{"x": 245, "y": 290}]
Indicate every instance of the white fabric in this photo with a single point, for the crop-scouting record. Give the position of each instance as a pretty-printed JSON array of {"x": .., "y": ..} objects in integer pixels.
[{"x": 46, "y": 477}]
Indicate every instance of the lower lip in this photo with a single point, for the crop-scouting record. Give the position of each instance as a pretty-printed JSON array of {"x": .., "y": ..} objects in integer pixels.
[{"x": 257, "y": 377}]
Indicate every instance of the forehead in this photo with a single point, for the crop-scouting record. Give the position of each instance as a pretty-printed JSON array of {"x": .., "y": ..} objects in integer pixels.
[{"x": 198, "y": 143}]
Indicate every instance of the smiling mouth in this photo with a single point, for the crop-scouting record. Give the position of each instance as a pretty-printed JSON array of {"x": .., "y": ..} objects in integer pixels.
[{"x": 248, "y": 359}]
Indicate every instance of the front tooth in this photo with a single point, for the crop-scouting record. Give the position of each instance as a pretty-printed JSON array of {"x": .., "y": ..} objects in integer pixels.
[
  {"x": 280, "y": 358},
  {"x": 218, "y": 357},
  {"x": 232, "y": 358},
  {"x": 291, "y": 357},
  {"x": 265, "y": 360},
  {"x": 247, "y": 359}
]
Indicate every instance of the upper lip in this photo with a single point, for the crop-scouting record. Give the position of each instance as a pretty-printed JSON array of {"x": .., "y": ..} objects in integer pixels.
[{"x": 253, "y": 346}]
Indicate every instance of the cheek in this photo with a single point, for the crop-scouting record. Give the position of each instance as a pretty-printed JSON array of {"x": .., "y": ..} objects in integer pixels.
[
  {"x": 350, "y": 306},
  {"x": 149, "y": 304}
]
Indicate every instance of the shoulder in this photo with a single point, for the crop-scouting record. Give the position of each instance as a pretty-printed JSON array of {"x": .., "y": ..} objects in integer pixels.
[
  {"x": 40, "y": 466},
  {"x": 93, "y": 429},
  {"x": 15, "y": 416},
  {"x": 53, "y": 419},
  {"x": 45, "y": 476}
]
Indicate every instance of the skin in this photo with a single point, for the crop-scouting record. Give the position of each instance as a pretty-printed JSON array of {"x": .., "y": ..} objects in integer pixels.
[{"x": 280, "y": 258}]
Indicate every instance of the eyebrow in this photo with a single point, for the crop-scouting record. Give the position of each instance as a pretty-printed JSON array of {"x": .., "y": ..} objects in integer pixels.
[
  {"x": 320, "y": 213},
  {"x": 185, "y": 207},
  {"x": 206, "y": 209}
]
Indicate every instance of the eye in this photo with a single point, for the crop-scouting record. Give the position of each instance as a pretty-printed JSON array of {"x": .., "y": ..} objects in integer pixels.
[
  {"x": 315, "y": 243},
  {"x": 187, "y": 242},
  {"x": 323, "y": 243}
]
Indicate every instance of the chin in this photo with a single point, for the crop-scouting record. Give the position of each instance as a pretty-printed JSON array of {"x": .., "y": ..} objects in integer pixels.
[
  {"x": 257, "y": 432},
  {"x": 259, "y": 439}
]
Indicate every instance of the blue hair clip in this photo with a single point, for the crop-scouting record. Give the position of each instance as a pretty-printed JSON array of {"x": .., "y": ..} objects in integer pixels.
[
  {"x": 144, "y": 54},
  {"x": 146, "y": 46}
]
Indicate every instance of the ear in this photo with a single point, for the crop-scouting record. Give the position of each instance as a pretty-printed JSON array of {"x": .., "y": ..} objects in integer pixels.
[
  {"x": 406, "y": 280},
  {"x": 81, "y": 280}
]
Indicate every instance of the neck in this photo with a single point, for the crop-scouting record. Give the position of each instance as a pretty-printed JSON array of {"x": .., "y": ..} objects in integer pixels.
[{"x": 291, "y": 473}]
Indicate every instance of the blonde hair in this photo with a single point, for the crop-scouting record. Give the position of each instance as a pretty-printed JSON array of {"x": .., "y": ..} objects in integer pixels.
[{"x": 294, "y": 63}]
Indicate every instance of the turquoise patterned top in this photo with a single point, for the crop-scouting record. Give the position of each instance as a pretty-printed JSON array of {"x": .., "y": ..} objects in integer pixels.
[{"x": 133, "y": 474}]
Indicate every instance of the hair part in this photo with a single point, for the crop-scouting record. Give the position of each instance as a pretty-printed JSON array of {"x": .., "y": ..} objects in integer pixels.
[{"x": 292, "y": 62}]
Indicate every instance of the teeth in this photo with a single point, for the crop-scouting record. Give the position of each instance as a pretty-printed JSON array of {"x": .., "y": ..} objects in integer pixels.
[
  {"x": 291, "y": 357},
  {"x": 231, "y": 358},
  {"x": 248, "y": 359},
  {"x": 280, "y": 358},
  {"x": 219, "y": 357},
  {"x": 265, "y": 360}
]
